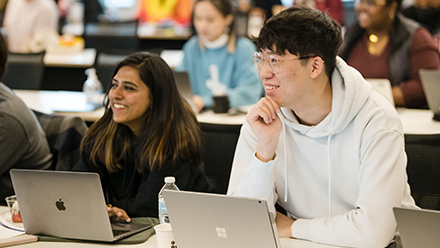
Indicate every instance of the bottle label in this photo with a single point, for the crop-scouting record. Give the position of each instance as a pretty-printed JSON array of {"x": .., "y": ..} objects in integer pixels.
[{"x": 162, "y": 208}]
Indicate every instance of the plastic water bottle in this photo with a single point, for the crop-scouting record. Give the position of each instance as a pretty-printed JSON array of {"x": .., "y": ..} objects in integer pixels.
[
  {"x": 92, "y": 88},
  {"x": 170, "y": 185}
]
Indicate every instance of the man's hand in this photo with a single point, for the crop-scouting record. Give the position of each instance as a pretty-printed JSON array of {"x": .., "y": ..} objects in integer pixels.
[
  {"x": 267, "y": 126},
  {"x": 284, "y": 225},
  {"x": 117, "y": 214}
]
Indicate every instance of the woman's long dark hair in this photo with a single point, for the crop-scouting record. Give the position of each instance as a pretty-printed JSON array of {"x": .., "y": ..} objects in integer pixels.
[{"x": 170, "y": 129}]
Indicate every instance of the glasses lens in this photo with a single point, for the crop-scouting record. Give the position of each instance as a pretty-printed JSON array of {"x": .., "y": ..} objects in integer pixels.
[
  {"x": 258, "y": 60},
  {"x": 273, "y": 64}
]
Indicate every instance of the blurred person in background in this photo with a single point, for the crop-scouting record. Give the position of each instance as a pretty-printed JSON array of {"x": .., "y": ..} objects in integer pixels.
[
  {"x": 216, "y": 43},
  {"x": 385, "y": 44},
  {"x": 27, "y": 19},
  {"x": 427, "y": 13}
]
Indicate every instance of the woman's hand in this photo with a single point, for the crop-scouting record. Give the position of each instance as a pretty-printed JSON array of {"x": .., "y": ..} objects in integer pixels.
[
  {"x": 198, "y": 102},
  {"x": 117, "y": 214}
]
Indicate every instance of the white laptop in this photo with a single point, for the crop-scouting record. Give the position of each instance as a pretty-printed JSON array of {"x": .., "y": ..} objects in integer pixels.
[
  {"x": 431, "y": 87},
  {"x": 201, "y": 220},
  {"x": 383, "y": 87},
  {"x": 418, "y": 227},
  {"x": 66, "y": 204}
]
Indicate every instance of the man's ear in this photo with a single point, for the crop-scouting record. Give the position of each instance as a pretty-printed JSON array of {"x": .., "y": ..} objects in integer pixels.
[{"x": 318, "y": 66}]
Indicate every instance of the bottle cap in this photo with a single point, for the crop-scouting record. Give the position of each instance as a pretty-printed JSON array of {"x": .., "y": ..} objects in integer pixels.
[{"x": 170, "y": 180}]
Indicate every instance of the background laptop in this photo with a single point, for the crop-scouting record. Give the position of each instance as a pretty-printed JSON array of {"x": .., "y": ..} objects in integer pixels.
[
  {"x": 184, "y": 86},
  {"x": 417, "y": 227},
  {"x": 383, "y": 87},
  {"x": 431, "y": 87},
  {"x": 66, "y": 204},
  {"x": 201, "y": 220}
]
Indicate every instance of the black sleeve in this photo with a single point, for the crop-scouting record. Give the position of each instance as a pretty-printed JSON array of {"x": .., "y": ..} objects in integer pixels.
[{"x": 189, "y": 177}]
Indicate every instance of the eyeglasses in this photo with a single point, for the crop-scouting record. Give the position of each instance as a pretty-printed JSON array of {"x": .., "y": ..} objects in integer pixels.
[
  {"x": 274, "y": 63},
  {"x": 371, "y": 3}
]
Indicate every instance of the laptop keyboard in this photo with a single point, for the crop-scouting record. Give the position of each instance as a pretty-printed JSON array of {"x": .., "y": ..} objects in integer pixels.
[{"x": 117, "y": 232}]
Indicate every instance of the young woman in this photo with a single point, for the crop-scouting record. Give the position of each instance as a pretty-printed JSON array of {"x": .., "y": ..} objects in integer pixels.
[
  {"x": 216, "y": 44},
  {"x": 147, "y": 132}
]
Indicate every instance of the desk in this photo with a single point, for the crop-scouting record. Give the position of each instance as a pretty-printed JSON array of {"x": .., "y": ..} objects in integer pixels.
[
  {"x": 151, "y": 243},
  {"x": 65, "y": 71},
  {"x": 415, "y": 121},
  {"x": 82, "y": 59},
  {"x": 418, "y": 121},
  {"x": 44, "y": 101}
]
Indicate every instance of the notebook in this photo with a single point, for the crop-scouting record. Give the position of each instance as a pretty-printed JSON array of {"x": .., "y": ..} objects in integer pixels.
[
  {"x": 417, "y": 227},
  {"x": 383, "y": 87},
  {"x": 201, "y": 220},
  {"x": 431, "y": 87},
  {"x": 66, "y": 204}
]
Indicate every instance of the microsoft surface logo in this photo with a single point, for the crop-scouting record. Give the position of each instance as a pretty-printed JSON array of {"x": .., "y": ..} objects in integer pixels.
[{"x": 221, "y": 232}]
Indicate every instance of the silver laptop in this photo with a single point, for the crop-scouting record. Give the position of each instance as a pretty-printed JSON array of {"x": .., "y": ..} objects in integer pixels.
[
  {"x": 184, "y": 86},
  {"x": 417, "y": 227},
  {"x": 431, "y": 87},
  {"x": 383, "y": 87},
  {"x": 66, "y": 204},
  {"x": 202, "y": 220}
]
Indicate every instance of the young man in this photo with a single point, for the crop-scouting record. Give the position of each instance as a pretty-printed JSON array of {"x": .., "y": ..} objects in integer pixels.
[{"x": 322, "y": 144}]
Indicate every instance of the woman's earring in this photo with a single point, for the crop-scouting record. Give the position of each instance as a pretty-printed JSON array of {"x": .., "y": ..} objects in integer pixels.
[
  {"x": 391, "y": 15},
  {"x": 226, "y": 30}
]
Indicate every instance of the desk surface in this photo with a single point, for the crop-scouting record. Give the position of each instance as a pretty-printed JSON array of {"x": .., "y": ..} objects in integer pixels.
[
  {"x": 145, "y": 31},
  {"x": 45, "y": 101},
  {"x": 84, "y": 58},
  {"x": 415, "y": 121},
  {"x": 151, "y": 243}
]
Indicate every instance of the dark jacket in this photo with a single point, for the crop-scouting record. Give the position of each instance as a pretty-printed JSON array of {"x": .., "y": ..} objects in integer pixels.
[{"x": 138, "y": 193}]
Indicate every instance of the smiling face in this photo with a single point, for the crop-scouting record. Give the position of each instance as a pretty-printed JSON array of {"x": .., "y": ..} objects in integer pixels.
[
  {"x": 129, "y": 98},
  {"x": 374, "y": 14},
  {"x": 291, "y": 83},
  {"x": 209, "y": 21}
]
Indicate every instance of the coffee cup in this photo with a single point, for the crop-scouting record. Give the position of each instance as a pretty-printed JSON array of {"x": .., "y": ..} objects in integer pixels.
[
  {"x": 164, "y": 235},
  {"x": 220, "y": 104}
]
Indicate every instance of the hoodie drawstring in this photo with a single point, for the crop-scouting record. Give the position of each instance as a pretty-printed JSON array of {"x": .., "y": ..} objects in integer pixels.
[
  {"x": 285, "y": 164},
  {"x": 329, "y": 177}
]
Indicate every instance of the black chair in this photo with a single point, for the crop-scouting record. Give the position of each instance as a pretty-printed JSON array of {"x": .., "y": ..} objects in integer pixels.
[
  {"x": 219, "y": 148},
  {"x": 107, "y": 59},
  {"x": 122, "y": 35},
  {"x": 64, "y": 135},
  {"x": 423, "y": 169},
  {"x": 24, "y": 71}
]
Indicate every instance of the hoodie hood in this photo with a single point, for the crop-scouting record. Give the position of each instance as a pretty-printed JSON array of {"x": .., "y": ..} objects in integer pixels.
[{"x": 350, "y": 92}]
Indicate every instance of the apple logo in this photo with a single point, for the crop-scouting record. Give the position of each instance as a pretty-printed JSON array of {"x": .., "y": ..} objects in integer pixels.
[{"x": 60, "y": 205}]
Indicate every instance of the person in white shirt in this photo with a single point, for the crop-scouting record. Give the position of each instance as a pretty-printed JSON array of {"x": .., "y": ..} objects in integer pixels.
[
  {"x": 321, "y": 144},
  {"x": 24, "y": 19}
]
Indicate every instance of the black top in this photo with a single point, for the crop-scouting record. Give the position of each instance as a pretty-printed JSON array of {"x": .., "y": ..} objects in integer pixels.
[{"x": 138, "y": 193}]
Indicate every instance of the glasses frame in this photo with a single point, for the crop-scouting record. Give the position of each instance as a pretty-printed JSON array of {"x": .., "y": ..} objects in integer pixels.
[{"x": 278, "y": 61}]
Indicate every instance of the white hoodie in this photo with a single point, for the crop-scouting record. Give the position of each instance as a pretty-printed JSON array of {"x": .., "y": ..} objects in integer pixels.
[{"x": 343, "y": 175}]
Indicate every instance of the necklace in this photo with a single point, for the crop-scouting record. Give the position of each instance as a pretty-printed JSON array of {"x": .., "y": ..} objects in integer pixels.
[{"x": 376, "y": 45}]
